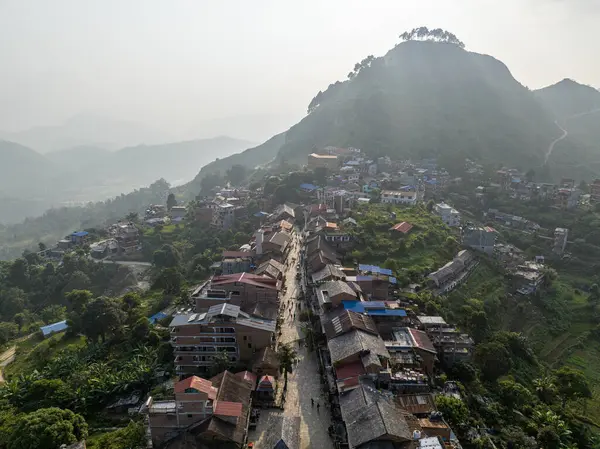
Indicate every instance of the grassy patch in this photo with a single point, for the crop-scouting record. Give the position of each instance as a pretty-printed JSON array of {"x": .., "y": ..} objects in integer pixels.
[{"x": 31, "y": 352}]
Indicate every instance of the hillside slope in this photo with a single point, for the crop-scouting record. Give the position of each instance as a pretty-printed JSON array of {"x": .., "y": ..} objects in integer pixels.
[
  {"x": 427, "y": 98},
  {"x": 576, "y": 108},
  {"x": 22, "y": 169},
  {"x": 568, "y": 98},
  {"x": 250, "y": 158}
]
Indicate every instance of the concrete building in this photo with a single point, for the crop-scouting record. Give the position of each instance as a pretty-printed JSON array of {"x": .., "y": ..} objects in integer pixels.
[
  {"x": 561, "y": 236},
  {"x": 328, "y": 161},
  {"x": 567, "y": 198},
  {"x": 223, "y": 216},
  {"x": 595, "y": 191},
  {"x": 211, "y": 413},
  {"x": 407, "y": 197},
  {"x": 448, "y": 214},
  {"x": 198, "y": 337},
  {"x": 452, "y": 270},
  {"x": 480, "y": 238}
]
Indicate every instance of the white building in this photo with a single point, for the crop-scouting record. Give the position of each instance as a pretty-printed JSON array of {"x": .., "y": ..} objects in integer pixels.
[
  {"x": 561, "y": 236},
  {"x": 448, "y": 214},
  {"x": 399, "y": 197}
]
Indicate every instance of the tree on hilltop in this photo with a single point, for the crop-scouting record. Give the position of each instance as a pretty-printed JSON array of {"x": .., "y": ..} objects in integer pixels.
[{"x": 435, "y": 35}]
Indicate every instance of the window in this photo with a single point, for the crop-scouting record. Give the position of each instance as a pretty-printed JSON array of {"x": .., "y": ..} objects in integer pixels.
[
  {"x": 245, "y": 338},
  {"x": 189, "y": 415},
  {"x": 249, "y": 345}
]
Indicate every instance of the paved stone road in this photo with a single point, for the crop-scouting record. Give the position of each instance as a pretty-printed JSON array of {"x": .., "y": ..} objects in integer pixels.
[{"x": 301, "y": 424}]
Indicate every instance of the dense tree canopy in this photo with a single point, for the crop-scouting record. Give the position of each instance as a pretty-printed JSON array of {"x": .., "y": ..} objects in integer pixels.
[{"x": 48, "y": 428}]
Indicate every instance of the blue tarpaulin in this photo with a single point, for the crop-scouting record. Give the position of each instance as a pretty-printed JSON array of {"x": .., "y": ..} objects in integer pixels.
[
  {"x": 157, "y": 317},
  {"x": 308, "y": 187}
]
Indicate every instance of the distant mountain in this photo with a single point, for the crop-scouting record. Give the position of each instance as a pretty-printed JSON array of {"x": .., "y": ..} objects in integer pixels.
[
  {"x": 176, "y": 162},
  {"x": 21, "y": 169},
  {"x": 251, "y": 158},
  {"x": 576, "y": 107},
  {"x": 88, "y": 130},
  {"x": 256, "y": 127},
  {"x": 81, "y": 174},
  {"x": 567, "y": 98},
  {"x": 78, "y": 157}
]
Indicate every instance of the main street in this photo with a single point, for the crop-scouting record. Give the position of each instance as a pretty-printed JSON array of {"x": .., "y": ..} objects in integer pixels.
[{"x": 300, "y": 420}]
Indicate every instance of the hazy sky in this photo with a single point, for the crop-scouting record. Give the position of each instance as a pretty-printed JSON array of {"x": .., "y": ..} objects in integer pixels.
[{"x": 172, "y": 63}]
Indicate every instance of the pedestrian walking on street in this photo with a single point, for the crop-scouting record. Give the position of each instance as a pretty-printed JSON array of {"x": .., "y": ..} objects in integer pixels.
[
  {"x": 312, "y": 402},
  {"x": 318, "y": 407}
]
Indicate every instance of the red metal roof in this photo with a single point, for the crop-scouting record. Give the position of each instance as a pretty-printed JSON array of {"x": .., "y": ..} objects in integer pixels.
[
  {"x": 246, "y": 278},
  {"x": 421, "y": 339},
  {"x": 196, "y": 383},
  {"x": 224, "y": 408},
  {"x": 348, "y": 370},
  {"x": 403, "y": 227}
]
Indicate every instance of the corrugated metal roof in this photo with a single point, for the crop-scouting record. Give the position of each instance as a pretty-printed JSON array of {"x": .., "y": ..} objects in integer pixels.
[{"x": 55, "y": 327}]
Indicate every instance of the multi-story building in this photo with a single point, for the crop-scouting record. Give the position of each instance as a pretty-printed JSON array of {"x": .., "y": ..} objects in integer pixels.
[
  {"x": 595, "y": 191},
  {"x": 561, "y": 236},
  {"x": 203, "y": 211},
  {"x": 328, "y": 161},
  {"x": 407, "y": 197},
  {"x": 236, "y": 261},
  {"x": 480, "y": 238},
  {"x": 212, "y": 412},
  {"x": 198, "y": 337},
  {"x": 448, "y": 214},
  {"x": 223, "y": 216},
  {"x": 127, "y": 236},
  {"x": 567, "y": 198}
]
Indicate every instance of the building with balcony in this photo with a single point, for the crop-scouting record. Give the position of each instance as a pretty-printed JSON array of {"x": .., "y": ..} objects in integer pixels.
[
  {"x": 449, "y": 215},
  {"x": 198, "y": 337},
  {"x": 210, "y": 413},
  {"x": 223, "y": 216},
  {"x": 399, "y": 197}
]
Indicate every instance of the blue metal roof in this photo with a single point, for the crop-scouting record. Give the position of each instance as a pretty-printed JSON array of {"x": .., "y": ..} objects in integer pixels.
[
  {"x": 55, "y": 327},
  {"x": 375, "y": 269},
  {"x": 261, "y": 214},
  {"x": 80, "y": 234},
  {"x": 372, "y": 308}
]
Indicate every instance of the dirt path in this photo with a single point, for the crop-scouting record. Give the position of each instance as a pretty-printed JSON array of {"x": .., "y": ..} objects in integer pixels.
[
  {"x": 565, "y": 133},
  {"x": 6, "y": 358}
]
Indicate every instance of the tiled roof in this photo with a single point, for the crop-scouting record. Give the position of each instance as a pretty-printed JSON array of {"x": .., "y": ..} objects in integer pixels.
[
  {"x": 196, "y": 383},
  {"x": 330, "y": 271},
  {"x": 247, "y": 376},
  {"x": 335, "y": 288},
  {"x": 356, "y": 342},
  {"x": 403, "y": 227},
  {"x": 370, "y": 416},
  {"x": 343, "y": 321},
  {"x": 223, "y": 408},
  {"x": 232, "y": 389}
]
